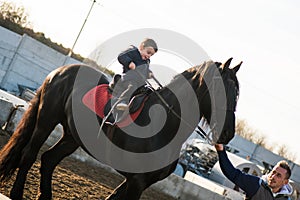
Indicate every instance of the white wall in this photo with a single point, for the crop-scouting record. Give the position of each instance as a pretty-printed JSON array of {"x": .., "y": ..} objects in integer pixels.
[{"x": 26, "y": 61}]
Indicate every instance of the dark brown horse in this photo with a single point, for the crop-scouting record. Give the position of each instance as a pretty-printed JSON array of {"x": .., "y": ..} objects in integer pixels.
[{"x": 145, "y": 151}]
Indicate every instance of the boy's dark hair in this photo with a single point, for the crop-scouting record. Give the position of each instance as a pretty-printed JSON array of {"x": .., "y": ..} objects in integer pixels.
[
  {"x": 149, "y": 43},
  {"x": 285, "y": 166}
]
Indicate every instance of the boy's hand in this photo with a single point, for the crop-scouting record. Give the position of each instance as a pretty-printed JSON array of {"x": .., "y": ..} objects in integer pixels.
[
  {"x": 219, "y": 147},
  {"x": 150, "y": 74},
  {"x": 131, "y": 65}
]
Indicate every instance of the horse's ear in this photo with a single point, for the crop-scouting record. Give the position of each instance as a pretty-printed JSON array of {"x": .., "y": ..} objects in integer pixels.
[
  {"x": 227, "y": 63},
  {"x": 218, "y": 64},
  {"x": 236, "y": 68}
]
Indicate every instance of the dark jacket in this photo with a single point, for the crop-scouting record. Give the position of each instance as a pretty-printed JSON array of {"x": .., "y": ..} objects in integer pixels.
[
  {"x": 138, "y": 76},
  {"x": 131, "y": 54},
  {"x": 256, "y": 188}
]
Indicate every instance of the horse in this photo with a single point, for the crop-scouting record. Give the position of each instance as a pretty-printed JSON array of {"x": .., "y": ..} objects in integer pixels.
[{"x": 190, "y": 96}]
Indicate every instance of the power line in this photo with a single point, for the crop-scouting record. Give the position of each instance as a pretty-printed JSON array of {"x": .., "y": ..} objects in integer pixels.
[{"x": 71, "y": 50}]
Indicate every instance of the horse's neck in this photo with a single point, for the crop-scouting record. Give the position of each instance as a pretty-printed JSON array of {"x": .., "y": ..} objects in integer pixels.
[
  {"x": 183, "y": 114},
  {"x": 182, "y": 92},
  {"x": 182, "y": 98}
]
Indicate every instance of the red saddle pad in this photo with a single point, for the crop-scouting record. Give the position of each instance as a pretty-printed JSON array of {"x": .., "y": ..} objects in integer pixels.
[{"x": 97, "y": 98}]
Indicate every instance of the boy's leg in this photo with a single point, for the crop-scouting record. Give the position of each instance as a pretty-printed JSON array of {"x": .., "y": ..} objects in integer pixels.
[{"x": 125, "y": 95}]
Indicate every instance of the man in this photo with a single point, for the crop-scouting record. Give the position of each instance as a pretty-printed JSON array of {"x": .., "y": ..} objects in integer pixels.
[{"x": 273, "y": 186}]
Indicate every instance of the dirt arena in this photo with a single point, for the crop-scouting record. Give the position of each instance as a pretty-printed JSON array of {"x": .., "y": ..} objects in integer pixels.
[{"x": 73, "y": 179}]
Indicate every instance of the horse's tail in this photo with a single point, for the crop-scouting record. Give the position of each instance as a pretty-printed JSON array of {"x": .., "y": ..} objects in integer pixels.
[{"x": 10, "y": 154}]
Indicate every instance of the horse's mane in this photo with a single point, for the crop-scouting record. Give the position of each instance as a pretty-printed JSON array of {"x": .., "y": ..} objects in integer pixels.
[
  {"x": 198, "y": 72},
  {"x": 194, "y": 73}
]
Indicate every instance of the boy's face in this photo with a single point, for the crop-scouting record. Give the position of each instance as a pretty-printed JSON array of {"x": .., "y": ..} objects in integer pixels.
[{"x": 147, "y": 52}]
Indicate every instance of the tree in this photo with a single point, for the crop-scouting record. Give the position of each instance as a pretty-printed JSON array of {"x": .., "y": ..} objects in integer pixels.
[
  {"x": 244, "y": 130},
  {"x": 15, "y": 14},
  {"x": 261, "y": 140},
  {"x": 283, "y": 151}
]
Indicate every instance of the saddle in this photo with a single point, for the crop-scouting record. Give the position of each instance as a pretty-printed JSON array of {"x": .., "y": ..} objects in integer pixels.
[{"x": 99, "y": 100}]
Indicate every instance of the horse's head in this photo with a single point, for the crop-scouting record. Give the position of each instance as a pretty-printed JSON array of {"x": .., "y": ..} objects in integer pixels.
[{"x": 217, "y": 90}]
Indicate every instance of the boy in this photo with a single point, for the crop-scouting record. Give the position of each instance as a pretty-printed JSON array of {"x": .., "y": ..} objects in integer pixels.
[{"x": 136, "y": 70}]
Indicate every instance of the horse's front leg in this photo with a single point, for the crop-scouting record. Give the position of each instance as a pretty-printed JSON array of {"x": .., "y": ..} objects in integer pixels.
[
  {"x": 119, "y": 192},
  {"x": 131, "y": 189}
]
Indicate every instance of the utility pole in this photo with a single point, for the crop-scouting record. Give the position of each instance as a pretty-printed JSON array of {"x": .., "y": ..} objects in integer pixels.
[{"x": 71, "y": 51}]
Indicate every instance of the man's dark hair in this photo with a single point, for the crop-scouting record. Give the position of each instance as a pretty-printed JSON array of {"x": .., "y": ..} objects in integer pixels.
[{"x": 285, "y": 166}]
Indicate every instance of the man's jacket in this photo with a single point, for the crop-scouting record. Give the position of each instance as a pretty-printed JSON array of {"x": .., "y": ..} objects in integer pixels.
[{"x": 256, "y": 188}]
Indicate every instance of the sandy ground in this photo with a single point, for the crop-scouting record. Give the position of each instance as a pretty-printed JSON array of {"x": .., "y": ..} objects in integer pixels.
[{"x": 73, "y": 179}]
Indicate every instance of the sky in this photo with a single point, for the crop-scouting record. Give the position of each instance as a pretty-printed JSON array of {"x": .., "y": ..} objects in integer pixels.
[{"x": 262, "y": 34}]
